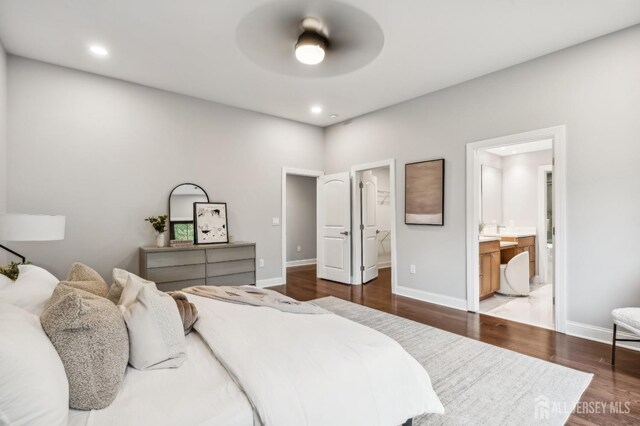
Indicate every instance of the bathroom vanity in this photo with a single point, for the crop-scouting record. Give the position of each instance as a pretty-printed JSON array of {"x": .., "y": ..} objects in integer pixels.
[
  {"x": 522, "y": 244},
  {"x": 489, "y": 268},
  {"x": 499, "y": 250}
]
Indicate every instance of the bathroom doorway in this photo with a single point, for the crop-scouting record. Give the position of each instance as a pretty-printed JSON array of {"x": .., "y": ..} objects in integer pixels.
[{"x": 513, "y": 245}]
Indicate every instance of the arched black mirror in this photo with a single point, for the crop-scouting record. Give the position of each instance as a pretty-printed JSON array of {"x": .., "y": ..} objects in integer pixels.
[{"x": 181, "y": 202}]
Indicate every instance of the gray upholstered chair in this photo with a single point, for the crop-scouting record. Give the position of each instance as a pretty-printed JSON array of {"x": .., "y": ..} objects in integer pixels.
[{"x": 629, "y": 318}]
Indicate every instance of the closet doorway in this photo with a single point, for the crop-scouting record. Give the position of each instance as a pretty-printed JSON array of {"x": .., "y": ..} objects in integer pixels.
[{"x": 373, "y": 220}]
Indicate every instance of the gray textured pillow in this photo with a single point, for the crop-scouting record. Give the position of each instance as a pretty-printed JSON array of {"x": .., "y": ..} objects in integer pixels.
[
  {"x": 90, "y": 336},
  {"x": 84, "y": 278}
]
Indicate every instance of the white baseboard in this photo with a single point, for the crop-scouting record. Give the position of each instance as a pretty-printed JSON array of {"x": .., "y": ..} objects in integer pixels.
[
  {"x": 600, "y": 334},
  {"x": 270, "y": 282},
  {"x": 438, "y": 299},
  {"x": 385, "y": 264},
  {"x": 302, "y": 262}
]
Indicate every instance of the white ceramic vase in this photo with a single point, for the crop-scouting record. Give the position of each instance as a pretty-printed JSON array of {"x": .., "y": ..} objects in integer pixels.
[{"x": 160, "y": 239}]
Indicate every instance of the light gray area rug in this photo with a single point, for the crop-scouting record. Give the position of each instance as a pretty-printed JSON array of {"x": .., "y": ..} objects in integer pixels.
[{"x": 478, "y": 383}]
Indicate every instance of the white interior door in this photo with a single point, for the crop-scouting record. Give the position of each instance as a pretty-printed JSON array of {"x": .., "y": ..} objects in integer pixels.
[
  {"x": 334, "y": 227},
  {"x": 368, "y": 226}
]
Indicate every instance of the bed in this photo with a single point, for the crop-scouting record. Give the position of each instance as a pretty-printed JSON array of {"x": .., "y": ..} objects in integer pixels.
[{"x": 255, "y": 365}]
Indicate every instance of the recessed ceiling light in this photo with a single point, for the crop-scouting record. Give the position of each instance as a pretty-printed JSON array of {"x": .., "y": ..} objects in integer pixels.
[
  {"x": 99, "y": 51},
  {"x": 333, "y": 116},
  {"x": 503, "y": 148},
  {"x": 311, "y": 45},
  {"x": 316, "y": 109},
  {"x": 514, "y": 152}
]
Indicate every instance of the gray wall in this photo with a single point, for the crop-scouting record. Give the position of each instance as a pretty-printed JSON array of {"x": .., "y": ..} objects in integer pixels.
[
  {"x": 106, "y": 153},
  {"x": 594, "y": 89},
  {"x": 301, "y": 217},
  {"x": 3, "y": 138},
  {"x": 520, "y": 186}
]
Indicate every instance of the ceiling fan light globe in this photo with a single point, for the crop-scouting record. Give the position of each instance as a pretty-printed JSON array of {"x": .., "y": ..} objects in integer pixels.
[
  {"x": 310, "y": 48},
  {"x": 309, "y": 54}
]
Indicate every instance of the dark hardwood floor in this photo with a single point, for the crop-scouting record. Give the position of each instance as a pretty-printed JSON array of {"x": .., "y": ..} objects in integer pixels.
[{"x": 613, "y": 397}]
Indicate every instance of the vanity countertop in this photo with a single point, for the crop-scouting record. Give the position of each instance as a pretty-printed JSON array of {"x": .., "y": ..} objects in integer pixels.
[
  {"x": 510, "y": 234},
  {"x": 486, "y": 238},
  {"x": 505, "y": 244}
]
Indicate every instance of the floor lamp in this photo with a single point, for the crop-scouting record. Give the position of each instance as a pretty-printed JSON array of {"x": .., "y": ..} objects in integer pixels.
[{"x": 30, "y": 227}]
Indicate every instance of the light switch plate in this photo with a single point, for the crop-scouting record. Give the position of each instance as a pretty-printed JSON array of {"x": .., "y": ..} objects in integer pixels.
[
  {"x": 276, "y": 221},
  {"x": 412, "y": 269},
  {"x": 262, "y": 263}
]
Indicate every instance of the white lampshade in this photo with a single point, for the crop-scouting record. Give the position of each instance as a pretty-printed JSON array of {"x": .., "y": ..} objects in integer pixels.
[{"x": 31, "y": 227}]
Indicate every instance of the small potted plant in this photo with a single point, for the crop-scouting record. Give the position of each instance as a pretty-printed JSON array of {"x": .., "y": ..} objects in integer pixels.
[{"x": 159, "y": 223}]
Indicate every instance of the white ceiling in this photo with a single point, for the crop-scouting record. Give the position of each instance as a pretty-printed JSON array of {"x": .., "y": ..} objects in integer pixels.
[
  {"x": 191, "y": 46},
  {"x": 522, "y": 148}
]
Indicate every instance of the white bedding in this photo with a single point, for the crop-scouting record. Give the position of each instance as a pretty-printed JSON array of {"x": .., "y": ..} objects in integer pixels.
[
  {"x": 299, "y": 369},
  {"x": 200, "y": 392}
]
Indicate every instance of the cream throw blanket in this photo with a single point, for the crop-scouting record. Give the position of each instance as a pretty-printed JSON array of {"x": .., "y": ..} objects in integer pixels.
[{"x": 249, "y": 295}]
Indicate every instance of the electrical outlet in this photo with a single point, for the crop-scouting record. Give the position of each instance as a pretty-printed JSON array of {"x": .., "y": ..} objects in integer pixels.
[
  {"x": 262, "y": 263},
  {"x": 412, "y": 269},
  {"x": 299, "y": 249},
  {"x": 276, "y": 221}
]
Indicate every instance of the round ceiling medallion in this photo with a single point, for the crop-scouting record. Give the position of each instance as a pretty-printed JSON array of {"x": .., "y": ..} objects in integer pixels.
[{"x": 268, "y": 35}]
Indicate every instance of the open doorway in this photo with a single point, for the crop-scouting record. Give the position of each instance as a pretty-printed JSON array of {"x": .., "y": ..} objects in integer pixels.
[
  {"x": 299, "y": 221},
  {"x": 374, "y": 220},
  {"x": 514, "y": 283},
  {"x": 515, "y": 228}
]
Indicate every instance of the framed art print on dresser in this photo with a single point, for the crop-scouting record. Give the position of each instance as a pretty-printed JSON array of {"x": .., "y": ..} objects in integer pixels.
[
  {"x": 424, "y": 193},
  {"x": 211, "y": 225}
]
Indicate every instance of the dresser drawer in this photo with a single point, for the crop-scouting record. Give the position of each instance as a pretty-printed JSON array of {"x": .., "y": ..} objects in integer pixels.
[
  {"x": 174, "y": 258},
  {"x": 226, "y": 254},
  {"x": 232, "y": 267},
  {"x": 179, "y": 285},
  {"x": 245, "y": 278},
  {"x": 176, "y": 273}
]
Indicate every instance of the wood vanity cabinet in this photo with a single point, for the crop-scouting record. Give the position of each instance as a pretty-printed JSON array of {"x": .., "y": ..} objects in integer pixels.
[
  {"x": 528, "y": 244},
  {"x": 523, "y": 244},
  {"x": 489, "y": 268}
]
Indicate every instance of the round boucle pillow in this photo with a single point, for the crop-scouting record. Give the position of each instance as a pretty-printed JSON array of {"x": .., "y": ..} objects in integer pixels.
[
  {"x": 90, "y": 336},
  {"x": 84, "y": 278}
]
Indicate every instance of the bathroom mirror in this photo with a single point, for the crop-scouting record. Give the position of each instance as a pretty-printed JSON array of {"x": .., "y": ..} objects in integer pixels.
[
  {"x": 491, "y": 195},
  {"x": 181, "y": 202}
]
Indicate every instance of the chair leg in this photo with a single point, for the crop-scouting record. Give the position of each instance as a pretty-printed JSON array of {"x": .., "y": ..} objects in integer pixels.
[{"x": 613, "y": 345}]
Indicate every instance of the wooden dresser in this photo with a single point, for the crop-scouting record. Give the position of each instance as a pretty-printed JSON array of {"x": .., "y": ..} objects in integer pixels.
[
  {"x": 173, "y": 268},
  {"x": 489, "y": 268}
]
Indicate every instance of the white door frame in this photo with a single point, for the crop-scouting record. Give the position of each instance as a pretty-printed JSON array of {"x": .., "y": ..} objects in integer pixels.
[
  {"x": 283, "y": 223},
  {"x": 541, "y": 242},
  {"x": 356, "y": 277},
  {"x": 558, "y": 135}
]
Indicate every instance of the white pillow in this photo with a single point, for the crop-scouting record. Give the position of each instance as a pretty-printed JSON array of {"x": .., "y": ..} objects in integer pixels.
[
  {"x": 120, "y": 277},
  {"x": 156, "y": 336},
  {"x": 31, "y": 290},
  {"x": 34, "y": 387},
  {"x": 131, "y": 286}
]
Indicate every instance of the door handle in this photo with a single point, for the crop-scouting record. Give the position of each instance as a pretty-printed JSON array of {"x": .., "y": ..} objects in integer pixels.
[
  {"x": 345, "y": 233},
  {"x": 377, "y": 231}
]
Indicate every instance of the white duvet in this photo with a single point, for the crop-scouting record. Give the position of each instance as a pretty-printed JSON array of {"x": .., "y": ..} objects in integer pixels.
[
  {"x": 200, "y": 393},
  {"x": 299, "y": 369}
]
